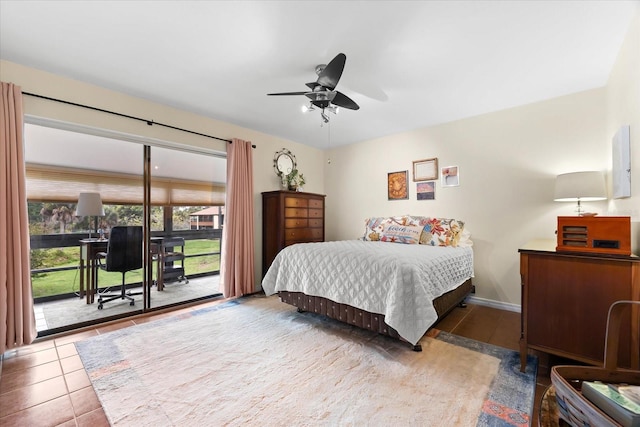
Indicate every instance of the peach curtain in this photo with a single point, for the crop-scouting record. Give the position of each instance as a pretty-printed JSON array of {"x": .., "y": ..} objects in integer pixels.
[
  {"x": 17, "y": 319},
  {"x": 237, "y": 259}
]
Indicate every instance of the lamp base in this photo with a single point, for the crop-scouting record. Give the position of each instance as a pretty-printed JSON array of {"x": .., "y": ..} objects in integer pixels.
[{"x": 95, "y": 225}]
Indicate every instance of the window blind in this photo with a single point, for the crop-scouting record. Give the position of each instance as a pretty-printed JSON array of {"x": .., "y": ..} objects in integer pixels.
[{"x": 46, "y": 183}]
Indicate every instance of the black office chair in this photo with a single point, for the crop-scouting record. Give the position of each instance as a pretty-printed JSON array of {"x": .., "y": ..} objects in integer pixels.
[{"x": 124, "y": 253}]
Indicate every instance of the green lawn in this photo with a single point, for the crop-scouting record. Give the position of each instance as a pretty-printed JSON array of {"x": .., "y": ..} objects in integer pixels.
[{"x": 63, "y": 282}]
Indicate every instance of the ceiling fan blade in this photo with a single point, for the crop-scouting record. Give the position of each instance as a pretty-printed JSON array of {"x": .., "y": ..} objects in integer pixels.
[
  {"x": 342, "y": 100},
  {"x": 287, "y": 93},
  {"x": 331, "y": 74}
]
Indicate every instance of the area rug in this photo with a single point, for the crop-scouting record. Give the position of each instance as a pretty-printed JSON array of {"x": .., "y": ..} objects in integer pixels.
[{"x": 257, "y": 361}]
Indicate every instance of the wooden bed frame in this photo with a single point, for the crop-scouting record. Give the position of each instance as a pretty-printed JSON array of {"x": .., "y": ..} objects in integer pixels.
[{"x": 367, "y": 320}]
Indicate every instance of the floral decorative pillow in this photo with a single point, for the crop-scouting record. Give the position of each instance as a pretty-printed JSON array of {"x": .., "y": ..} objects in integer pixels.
[
  {"x": 441, "y": 232},
  {"x": 395, "y": 233},
  {"x": 374, "y": 226}
]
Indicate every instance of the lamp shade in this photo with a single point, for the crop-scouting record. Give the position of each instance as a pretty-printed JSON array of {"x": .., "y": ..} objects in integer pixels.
[
  {"x": 89, "y": 204},
  {"x": 580, "y": 186}
]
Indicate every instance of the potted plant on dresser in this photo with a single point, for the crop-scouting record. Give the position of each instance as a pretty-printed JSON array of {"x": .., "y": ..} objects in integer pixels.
[{"x": 295, "y": 180}]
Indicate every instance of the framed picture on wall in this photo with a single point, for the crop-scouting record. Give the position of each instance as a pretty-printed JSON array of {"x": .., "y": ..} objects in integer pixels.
[
  {"x": 425, "y": 170},
  {"x": 397, "y": 185},
  {"x": 426, "y": 190},
  {"x": 450, "y": 176}
]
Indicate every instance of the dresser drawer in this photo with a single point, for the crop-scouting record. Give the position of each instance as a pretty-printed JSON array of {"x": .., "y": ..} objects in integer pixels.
[
  {"x": 316, "y": 222},
  {"x": 298, "y": 234},
  {"x": 316, "y": 213},
  {"x": 315, "y": 203},
  {"x": 296, "y": 213},
  {"x": 295, "y": 202},
  {"x": 316, "y": 233},
  {"x": 297, "y": 223}
]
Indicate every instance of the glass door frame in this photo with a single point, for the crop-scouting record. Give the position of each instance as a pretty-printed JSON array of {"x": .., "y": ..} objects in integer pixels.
[{"x": 147, "y": 144}]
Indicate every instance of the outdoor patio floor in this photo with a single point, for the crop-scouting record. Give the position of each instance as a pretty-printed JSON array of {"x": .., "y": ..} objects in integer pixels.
[{"x": 75, "y": 310}]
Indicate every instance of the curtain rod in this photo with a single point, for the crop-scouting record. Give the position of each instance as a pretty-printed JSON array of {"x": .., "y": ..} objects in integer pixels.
[{"x": 149, "y": 122}]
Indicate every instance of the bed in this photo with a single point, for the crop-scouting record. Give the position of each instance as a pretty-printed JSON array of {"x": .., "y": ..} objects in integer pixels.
[{"x": 398, "y": 280}]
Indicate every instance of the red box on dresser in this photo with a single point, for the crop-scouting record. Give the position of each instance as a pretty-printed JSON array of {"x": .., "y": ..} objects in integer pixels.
[{"x": 594, "y": 234}]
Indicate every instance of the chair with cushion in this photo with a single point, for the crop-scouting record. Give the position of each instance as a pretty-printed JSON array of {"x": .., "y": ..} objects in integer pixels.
[{"x": 124, "y": 253}]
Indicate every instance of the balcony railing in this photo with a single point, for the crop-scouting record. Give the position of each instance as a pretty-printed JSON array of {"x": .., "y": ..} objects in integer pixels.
[
  {"x": 46, "y": 241},
  {"x": 44, "y": 290}
]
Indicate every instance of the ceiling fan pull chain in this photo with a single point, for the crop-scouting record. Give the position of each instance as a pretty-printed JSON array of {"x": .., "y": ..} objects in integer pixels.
[{"x": 329, "y": 133}]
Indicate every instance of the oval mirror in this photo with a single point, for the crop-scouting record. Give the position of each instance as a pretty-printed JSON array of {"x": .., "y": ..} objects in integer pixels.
[{"x": 284, "y": 162}]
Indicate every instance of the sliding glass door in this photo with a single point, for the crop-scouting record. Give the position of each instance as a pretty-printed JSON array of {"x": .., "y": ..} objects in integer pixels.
[
  {"x": 185, "y": 191},
  {"x": 187, "y": 198}
]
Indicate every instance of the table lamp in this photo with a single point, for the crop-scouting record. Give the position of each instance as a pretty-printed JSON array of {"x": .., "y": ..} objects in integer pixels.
[
  {"x": 580, "y": 187},
  {"x": 90, "y": 204}
]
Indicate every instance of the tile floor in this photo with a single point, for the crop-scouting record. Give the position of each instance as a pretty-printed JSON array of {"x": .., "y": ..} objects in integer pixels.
[{"x": 44, "y": 384}]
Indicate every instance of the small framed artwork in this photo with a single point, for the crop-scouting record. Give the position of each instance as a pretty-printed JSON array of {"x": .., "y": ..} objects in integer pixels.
[
  {"x": 397, "y": 185},
  {"x": 450, "y": 176},
  {"x": 425, "y": 170},
  {"x": 426, "y": 190}
]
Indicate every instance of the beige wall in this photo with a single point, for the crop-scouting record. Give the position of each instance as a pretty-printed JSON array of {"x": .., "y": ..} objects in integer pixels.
[
  {"x": 42, "y": 83},
  {"x": 508, "y": 162}
]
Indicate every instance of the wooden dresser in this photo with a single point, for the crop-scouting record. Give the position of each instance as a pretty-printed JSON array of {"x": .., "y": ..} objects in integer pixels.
[
  {"x": 289, "y": 217},
  {"x": 565, "y": 302}
]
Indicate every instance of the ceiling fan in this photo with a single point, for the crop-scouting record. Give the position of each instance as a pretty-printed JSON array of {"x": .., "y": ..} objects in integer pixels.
[{"x": 322, "y": 92}]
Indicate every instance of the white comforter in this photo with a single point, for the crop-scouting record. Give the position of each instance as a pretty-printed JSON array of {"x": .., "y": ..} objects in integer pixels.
[{"x": 397, "y": 280}]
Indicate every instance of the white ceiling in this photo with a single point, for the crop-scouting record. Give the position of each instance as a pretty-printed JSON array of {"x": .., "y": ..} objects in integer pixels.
[{"x": 410, "y": 64}]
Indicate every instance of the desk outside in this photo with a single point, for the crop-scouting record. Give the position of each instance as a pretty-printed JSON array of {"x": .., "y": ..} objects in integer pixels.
[{"x": 89, "y": 249}]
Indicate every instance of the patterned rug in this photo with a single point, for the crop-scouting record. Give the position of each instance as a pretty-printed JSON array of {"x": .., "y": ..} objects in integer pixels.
[{"x": 256, "y": 361}]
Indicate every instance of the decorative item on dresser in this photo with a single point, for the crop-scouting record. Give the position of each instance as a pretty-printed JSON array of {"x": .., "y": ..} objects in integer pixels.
[
  {"x": 289, "y": 217},
  {"x": 565, "y": 300},
  {"x": 595, "y": 234}
]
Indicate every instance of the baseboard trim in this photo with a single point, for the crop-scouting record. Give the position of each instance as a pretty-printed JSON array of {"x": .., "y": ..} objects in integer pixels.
[{"x": 494, "y": 304}]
